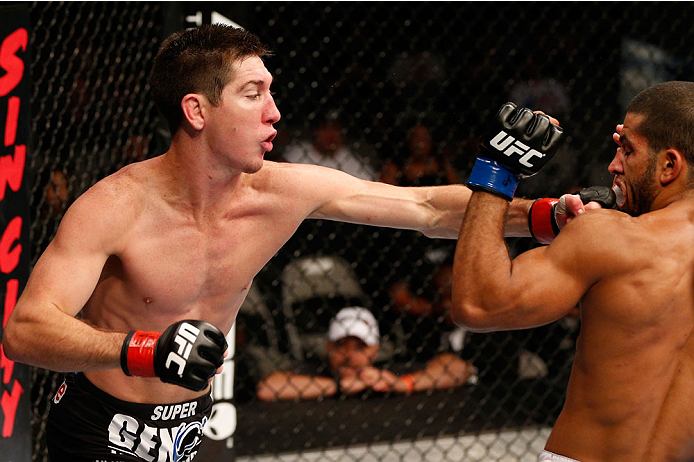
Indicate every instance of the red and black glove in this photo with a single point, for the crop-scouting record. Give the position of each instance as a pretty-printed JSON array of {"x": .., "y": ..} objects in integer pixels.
[
  {"x": 187, "y": 354},
  {"x": 542, "y": 218}
]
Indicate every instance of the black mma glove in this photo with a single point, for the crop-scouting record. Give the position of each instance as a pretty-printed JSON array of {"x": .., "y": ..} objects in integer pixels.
[
  {"x": 518, "y": 144},
  {"x": 603, "y": 195},
  {"x": 188, "y": 353},
  {"x": 542, "y": 218}
]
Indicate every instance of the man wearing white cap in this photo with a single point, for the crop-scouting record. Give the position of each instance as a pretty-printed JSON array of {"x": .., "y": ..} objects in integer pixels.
[{"x": 352, "y": 347}]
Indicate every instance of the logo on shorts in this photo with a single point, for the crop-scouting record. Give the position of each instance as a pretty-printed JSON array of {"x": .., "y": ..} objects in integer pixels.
[
  {"x": 60, "y": 393},
  {"x": 131, "y": 436},
  {"x": 505, "y": 143},
  {"x": 188, "y": 439}
]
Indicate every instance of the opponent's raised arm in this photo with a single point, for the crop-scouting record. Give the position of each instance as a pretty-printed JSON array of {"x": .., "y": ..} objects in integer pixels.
[{"x": 491, "y": 292}]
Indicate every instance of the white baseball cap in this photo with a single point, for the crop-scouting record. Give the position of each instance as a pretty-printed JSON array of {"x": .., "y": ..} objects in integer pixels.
[{"x": 354, "y": 321}]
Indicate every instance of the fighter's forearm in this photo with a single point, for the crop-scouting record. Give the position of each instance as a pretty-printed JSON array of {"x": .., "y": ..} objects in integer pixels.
[
  {"x": 449, "y": 204},
  {"x": 52, "y": 339},
  {"x": 481, "y": 260}
]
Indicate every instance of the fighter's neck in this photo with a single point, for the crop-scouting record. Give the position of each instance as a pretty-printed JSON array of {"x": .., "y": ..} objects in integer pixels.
[
  {"x": 673, "y": 197},
  {"x": 198, "y": 184}
]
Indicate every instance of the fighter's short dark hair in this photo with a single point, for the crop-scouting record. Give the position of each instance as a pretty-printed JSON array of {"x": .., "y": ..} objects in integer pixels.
[
  {"x": 198, "y": 60},
  {"x": 668, "y": 118}
]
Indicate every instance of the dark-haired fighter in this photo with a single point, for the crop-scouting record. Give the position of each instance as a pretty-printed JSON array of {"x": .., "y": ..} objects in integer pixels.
[
  {"x": 176, "y": 240},
  {"x": 630, "y": 395}
]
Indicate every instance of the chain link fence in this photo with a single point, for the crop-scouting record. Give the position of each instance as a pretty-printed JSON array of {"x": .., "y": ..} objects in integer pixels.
[{"x": 386, "y": 91}]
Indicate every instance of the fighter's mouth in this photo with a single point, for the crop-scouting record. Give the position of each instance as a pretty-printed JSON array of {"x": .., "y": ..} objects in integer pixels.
[
  {"x": 267, "y": 143},
  {"x": 619, "y": 195}
]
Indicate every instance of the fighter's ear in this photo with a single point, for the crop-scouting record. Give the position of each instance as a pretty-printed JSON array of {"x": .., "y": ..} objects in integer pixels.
[
  {"x": 193, "y": 105},
  {"x": 671, "y": 165}
]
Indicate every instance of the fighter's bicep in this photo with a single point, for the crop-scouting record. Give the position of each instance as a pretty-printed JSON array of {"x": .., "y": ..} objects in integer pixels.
[
  {"x": 359, "y": 201},
  {"x": 548, "y": 282},
  {"x": 554, "y": 278},
  {"x": 67, "y": 272},
  {"x": 67, "y": 275}
]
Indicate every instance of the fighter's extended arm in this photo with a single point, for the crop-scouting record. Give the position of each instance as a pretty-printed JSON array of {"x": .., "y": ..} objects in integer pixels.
[{"x": 436, "y": 211}]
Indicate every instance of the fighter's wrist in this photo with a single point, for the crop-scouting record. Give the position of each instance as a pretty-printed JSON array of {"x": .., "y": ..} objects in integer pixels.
[
  {"x": 542, "y": 221},
  {"x": 137, "y": 353},
  {"x": 489, "y": 175}
]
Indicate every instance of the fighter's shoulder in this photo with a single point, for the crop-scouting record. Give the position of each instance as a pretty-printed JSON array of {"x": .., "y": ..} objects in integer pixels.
[
  {"x": 600, "y": 239},
  {"x": 599, "y": 226},
  {"x": 292, "y": 168},
  {"x": 114, "y": 200},
  {"x": 299, "y": 176},
  {"x": 124, "y": 189}
]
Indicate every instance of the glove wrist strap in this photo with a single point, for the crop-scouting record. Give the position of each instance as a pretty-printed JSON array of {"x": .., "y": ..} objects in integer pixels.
[
  {"x": 541, "y": 221},
  {"x": 490, "y": 176},
  {"x": 137, "y": 354}
]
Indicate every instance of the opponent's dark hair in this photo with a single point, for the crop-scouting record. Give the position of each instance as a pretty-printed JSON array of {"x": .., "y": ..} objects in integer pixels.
[
  {"x": 198, "y": 60},
  {"x": 668, "y": 111}
]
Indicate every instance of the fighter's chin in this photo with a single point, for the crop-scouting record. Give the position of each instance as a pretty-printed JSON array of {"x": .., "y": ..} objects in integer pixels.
[
  {"x": 253, "y": 168},
  {"x": 256, "y": 165}
]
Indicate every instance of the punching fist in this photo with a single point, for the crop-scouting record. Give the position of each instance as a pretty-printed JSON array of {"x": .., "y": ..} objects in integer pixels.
[
  {"x": 547, "y": 215},
  {"x": 188, "y": 354},
  {"x": 518, "y": 143}
]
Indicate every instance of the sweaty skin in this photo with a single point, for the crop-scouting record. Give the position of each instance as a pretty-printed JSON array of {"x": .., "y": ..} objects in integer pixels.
[
  {"x": 182, "y": 235},
  {"x": 629, "y": 397}
]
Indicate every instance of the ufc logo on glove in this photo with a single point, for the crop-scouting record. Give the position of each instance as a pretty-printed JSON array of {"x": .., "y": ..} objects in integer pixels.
[
  {"x": 510, "y": 146},
  {"x": 522, "y": 143},
  {"x": 185, "y": 338},
  {"x": 195, "y": 347}
]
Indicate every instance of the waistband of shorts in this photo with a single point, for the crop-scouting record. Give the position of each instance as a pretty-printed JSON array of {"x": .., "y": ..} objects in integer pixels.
[
  {"x": 552, "y": 457},
  {"x": 141, "y": 409}
]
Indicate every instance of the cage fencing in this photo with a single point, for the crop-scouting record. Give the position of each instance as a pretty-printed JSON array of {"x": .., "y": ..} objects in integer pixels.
[{"x": 395, "y": 92}]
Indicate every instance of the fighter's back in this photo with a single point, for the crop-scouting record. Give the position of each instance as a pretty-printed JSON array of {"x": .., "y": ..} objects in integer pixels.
[{"x": 629, "y": 397}]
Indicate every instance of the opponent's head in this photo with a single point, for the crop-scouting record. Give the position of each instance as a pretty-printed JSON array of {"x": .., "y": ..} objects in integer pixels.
[
  {"x": 657, "y": 150},
  {"x": 353, "y": 339},
  {"x": 199, "y": 60}
]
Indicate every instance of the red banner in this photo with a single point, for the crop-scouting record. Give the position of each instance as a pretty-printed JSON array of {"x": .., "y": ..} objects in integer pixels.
[{"x": 15, "y": 91}]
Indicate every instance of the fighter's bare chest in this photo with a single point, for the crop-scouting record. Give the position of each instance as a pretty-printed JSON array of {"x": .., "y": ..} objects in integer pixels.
[{"x": 185, "y": 265}]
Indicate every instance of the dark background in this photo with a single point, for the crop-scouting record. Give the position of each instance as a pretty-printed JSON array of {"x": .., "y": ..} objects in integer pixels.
[{"x": 377, "y": 68}]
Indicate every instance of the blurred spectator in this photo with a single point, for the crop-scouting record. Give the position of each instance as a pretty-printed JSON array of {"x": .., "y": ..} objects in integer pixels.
[
  {"x": 421, "y": 165},
  {"x": 414, "y": 285},
  {"x": 352, "y": 346},
  {"x": 57, "y": 196},
  {"x": 327, "y": 147}
]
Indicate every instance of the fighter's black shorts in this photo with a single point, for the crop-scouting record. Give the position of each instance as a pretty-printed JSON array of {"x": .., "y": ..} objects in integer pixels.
[{"x": 85, "y": 424}]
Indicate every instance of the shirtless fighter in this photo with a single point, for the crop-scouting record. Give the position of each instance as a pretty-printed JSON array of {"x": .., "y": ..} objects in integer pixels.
[
  {"x": 172, "y": 244},
  {"x": 630, "y": 394}
]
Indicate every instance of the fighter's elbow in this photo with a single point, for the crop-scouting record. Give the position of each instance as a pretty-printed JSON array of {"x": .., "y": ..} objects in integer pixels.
[
  {"x": 20, "y": 336},
  {"x": 12, "y": 343},
  {"x": 471, "y": 316}
]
